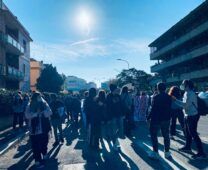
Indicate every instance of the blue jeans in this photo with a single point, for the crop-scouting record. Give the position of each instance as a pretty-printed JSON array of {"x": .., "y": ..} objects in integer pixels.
[{"x": 164, "y": 127}]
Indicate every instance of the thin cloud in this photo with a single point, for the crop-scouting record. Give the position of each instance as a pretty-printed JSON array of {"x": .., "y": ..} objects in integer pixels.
[
  {"x": 84, "y": 41},
  {"x": 90, "y": 48}
]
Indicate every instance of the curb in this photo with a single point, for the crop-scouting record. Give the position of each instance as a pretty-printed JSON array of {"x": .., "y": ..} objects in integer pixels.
[{"x": 12, "y": 142}]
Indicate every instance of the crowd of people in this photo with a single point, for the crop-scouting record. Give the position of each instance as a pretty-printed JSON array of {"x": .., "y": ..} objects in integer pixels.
[{"x": 111, "y": 115}]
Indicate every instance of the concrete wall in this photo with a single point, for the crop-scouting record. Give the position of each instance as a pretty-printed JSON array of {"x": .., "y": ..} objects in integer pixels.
[
  {"x": 191, "y": 75},
  {"x": 2, "y": 22},
  {"x": 189, "y": 56},
  {"x": 200, "y": 29}
]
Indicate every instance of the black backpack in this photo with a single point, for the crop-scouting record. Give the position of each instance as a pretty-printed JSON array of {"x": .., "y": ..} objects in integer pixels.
[{"x": 202, "y": 107}]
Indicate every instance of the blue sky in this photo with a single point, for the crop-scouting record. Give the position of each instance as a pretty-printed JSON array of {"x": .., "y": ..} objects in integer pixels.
[{"x": 117, "y": 29}]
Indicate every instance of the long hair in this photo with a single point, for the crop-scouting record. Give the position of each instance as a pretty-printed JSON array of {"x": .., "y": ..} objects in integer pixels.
[
  {"x": 92, "y": 92},
  {"x": 124, "y": 90},
  {"x": 175, "y": 91},
  {"x": 34, "y": 104},
  {"x": 101, "y": 95}
]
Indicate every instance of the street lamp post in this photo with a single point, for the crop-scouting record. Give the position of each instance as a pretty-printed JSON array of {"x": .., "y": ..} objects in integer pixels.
[{"x": 119, "y": 59}]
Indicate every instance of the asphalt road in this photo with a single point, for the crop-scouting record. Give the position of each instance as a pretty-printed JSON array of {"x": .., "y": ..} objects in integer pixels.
[{"x": 74, "y": 154}]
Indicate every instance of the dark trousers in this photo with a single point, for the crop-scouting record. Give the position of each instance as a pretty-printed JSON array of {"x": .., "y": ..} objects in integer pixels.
[
  {"x": 39, "y": 145},
  {"x": 95, "y": 135},
  {"x": 57, "y": 126},
  {"x": 129, "y": 123},
  {"x": 191, "y": 123},
  {"x": 75, "y": 117},
  {"x": 176, "y": 114},
  {"x": 164, "y": 127},
  {"x": 18, "y": 117}
]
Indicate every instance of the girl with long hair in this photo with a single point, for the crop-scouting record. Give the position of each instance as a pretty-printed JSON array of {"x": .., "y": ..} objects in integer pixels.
[{"x": 38, "y": 114}]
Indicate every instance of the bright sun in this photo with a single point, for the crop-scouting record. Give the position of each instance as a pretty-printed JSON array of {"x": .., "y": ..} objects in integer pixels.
[{"x": 84, "y": 21}]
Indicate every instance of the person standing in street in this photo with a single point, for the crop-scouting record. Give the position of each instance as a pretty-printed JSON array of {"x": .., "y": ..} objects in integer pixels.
[
  {"x": 127, "y": 110},
  {"x": 176, "y": 111},
  {"x": 136, "y": 106},
  {"x": 190, "y": 110},
  {"x": 101, "y": 114},
  {"x": 26, "y": 100},
  {"x": 159, "y": 118},
  {"x": 68, "y": 104},
  {"x": 58, "y": 111},
  {"x": 90, "y": 108},
  {"x": 115, "y": 115},
  {"x": 143, "y": 106},
  {"x": 96, "y": 119},
  {"x": 76, "y": 109},
  {"x": 83, "y": 114},
  {"x": 38, "y": 114},
  {"x": 18, "y": 110}
]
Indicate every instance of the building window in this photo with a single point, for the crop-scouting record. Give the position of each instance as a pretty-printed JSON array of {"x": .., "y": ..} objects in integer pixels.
[
  {"x": 24, "y": 45},
  {"x": 24, "y": 69}
]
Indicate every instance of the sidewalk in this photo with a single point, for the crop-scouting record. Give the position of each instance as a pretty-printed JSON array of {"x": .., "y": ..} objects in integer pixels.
[{"x": 10, "y": 137}]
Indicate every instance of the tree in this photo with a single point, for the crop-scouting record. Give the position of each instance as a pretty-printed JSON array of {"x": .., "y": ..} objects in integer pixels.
[
  {"x": 139, "y": 78},
  {"x": 50, "y": 80}
]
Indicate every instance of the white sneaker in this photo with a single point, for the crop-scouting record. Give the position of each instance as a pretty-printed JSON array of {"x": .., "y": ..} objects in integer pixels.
[
  {"x": 167, "y": 155},
  {"x": 117, "y": 144},
  {"x": 154, "y": 155}
]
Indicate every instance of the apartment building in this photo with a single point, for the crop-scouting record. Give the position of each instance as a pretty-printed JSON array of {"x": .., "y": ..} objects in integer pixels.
[
  {"x": 14, "y": 52},
  {"x": 182, "y": 51}
]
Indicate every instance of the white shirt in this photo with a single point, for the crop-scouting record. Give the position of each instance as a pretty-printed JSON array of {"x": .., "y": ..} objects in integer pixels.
[
  {"x": 29, "y": 115},
  {"x": 189, "y": 103}
]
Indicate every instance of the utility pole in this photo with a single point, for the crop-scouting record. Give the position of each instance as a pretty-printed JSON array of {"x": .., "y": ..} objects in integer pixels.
[{"x": 119, "y": 59}]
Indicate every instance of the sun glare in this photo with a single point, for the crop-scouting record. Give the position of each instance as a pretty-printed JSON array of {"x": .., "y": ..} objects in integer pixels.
[{"x": 84, "y": 21}]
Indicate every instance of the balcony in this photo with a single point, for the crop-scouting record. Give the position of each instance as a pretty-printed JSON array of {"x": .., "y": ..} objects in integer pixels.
[
  {"x": 12, "y": 45},
  {"x": 13, "y": 73},
  {"x": 191, "y": 75},
  {"x": 200, "y": 29},
  {"x": 189, "y": 56},
  {"x": 2, "y": 70}
]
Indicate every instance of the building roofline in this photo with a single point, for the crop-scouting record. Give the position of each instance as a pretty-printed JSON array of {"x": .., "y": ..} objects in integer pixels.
[
  {"x": 6, "y": 9},
  {"x": 183, "y": 20},
  {"x": 32, "y": 59}
]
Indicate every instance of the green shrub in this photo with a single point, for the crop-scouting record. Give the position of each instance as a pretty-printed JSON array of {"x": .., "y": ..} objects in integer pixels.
[{"x": 6, "y": 99}]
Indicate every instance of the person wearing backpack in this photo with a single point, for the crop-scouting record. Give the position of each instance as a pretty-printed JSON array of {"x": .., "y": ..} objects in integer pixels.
[{"x": 190, "y": 109}]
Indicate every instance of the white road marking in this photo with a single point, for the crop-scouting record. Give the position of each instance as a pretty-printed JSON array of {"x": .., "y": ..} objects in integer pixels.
[
  {"x": 79, "y": 166},
  {"x": 162, "y": 159}
]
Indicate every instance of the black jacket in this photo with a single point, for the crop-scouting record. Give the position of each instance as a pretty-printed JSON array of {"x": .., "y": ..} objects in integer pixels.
[
  {"x": 161, "y": 108},
  {"x": 54, "y": 106},
  {"x": 114, "y": 106},
  {"x": 90, "y": 109},
  {"x": 101, "y": 110}
]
